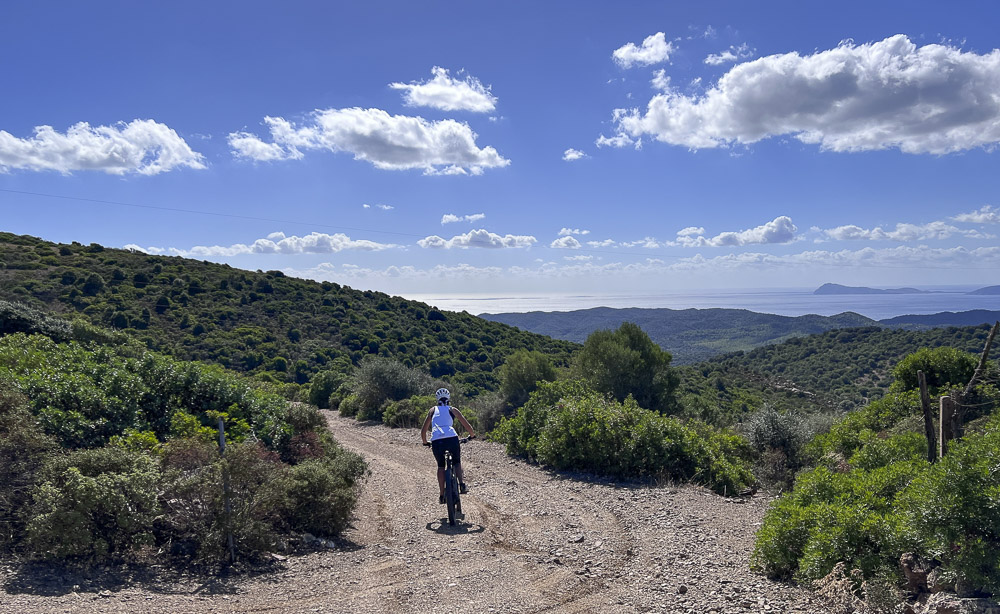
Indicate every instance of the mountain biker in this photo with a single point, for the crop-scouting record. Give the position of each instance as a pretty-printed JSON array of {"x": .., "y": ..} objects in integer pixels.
[{"x": 440, "y": 419}]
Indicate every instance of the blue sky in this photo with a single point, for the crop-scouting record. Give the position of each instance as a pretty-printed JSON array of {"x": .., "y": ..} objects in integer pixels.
[{"x": 433, "y": 149}]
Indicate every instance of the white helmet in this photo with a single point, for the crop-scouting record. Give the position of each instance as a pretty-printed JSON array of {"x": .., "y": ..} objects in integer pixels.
[{"x": 442, "y": 393}]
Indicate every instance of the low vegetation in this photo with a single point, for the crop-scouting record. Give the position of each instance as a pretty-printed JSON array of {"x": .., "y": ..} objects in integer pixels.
[
  {"x": 871, "y": 495},
  {"x": 109, "y": 451}
]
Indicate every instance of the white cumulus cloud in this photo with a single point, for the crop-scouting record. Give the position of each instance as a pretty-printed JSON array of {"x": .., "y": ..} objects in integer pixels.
[
  {"x": 571, "y": 155},
  {"x": 391, "y": 142},
  {"x": 566, "y": 242},
  {"x": 477, "y": 238},
  {"x": 142, "y": 146},
  {"x": 887, "y": 94},
  {"x": 447, "y": 93},
  {"x": 572, "y": 231},
  {"x": 779, "y": 230},
  {"x": 654, "y": 49},
  {"x": 450, "y": 218},
  {"x": 985, "y": 215}
]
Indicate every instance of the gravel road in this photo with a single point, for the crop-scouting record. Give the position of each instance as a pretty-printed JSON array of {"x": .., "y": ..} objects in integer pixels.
[{"x": 530, "y": 541}]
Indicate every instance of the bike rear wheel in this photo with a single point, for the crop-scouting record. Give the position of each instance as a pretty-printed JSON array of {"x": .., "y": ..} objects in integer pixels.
[{"x": 450, "y": 495}]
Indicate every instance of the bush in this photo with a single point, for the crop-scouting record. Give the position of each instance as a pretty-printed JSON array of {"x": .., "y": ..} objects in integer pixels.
[
  {"x": 322, "y": 492},
  {"x": 378, "y": 380},
  {"x": 831, "y": 517},
  {"x": 953, "y": 510},
  {"x": 92, "y": 504},
  {"x": 942, "y": 367},
  {"x": 587, "y": 432},
  {"x": 23, "y": 449},
  {"x": 408, "y": 413},
  {"x": 323, "y": 385}
]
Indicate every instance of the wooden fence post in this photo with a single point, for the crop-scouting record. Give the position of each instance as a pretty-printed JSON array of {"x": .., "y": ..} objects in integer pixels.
[
  {"x": 226, "y": 494},
  {"x": 946, "y": 425},
  {"x": 925, "y": 403}
]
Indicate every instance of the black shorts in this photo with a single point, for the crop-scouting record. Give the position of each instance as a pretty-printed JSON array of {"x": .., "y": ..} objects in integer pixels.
[{"x": 438, "y": 446}]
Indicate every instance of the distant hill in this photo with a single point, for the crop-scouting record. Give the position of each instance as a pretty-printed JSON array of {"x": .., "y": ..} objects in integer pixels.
[
  {"x": 945, "y": 318},
  {"x": 839, "y": 289},
  {"x": 689, "y": 334},
  {"x": 991, "y": 290},
  {"x": 276, "y": 327},
  {"x": 837, "y": 370}
]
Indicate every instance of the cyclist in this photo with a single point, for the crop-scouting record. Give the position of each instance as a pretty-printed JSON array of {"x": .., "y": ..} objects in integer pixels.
[{"x": 440, "y": 420}]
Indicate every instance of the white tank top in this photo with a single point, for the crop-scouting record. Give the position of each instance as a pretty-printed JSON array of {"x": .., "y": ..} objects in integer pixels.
[{"x": 442, "y": 424}]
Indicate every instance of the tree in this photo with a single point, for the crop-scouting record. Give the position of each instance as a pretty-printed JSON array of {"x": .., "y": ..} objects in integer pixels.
[
  {"x": 942, "y": 366},
  {"x": 626, "y": 362},
  {"x": 93, "y": 285},
  {"x": 519, "y": 376}
]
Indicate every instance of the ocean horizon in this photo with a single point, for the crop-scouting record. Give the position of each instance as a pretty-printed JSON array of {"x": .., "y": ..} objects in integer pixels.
[{"x": 779, "y": 301}]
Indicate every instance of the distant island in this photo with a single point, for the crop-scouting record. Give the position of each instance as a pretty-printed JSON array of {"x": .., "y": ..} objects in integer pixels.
[
  {"x": 987, "y": 290},
  {"x": 839, "y": 289}
]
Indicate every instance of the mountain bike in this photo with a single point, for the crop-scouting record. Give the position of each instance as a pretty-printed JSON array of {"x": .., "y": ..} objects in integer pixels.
[{"x": 452, "y": 496}]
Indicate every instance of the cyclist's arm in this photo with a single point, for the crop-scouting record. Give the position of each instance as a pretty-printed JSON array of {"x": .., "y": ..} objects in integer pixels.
[
  {"x": 427, "y": 425},
  {"x": 464, "y": 422}
]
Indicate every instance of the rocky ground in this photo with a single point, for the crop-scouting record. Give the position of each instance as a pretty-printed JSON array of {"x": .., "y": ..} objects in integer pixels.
[{"x": 530, "y": 541}]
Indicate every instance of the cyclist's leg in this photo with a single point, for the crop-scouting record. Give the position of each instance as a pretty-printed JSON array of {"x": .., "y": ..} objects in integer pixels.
[{"x": 438, "y": 448}]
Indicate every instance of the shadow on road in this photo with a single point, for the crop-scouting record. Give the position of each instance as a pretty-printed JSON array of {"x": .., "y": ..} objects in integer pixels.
[{"x": 442, "y": 527}]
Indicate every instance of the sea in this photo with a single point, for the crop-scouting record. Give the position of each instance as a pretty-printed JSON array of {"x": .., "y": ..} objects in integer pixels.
[{"x": 780, "y": 301}]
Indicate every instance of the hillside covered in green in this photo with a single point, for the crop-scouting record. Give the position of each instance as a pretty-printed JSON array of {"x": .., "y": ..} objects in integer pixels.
[
  {"x": 835, "y": 371},
  {"x": 279, "y": 328},
  {"x": 690, "y": 335}
]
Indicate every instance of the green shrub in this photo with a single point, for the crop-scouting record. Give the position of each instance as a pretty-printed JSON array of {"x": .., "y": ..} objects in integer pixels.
[
  {"x": 350, "y": 406},
  {"x": 23, "y": 449},
  {"x": 831, "y": 517},
  {"x": 93, "y": 504},
  {"x": 378, "y": 380},
  {"x": 953, "y": 510},
  {"x": 259, "y": 486},
  {"x": 322, "y": 492},
  {"x": 942, "y": 367},
  {"x": 588, "y": 432},
  {"x": 408, "y": 413},
  {"x": 323, "y": 385},
  {"x": 850, "y": 433}
]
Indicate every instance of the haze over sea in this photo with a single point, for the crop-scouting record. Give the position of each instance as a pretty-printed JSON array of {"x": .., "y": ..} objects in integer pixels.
[{"x": 781, "y": 301}]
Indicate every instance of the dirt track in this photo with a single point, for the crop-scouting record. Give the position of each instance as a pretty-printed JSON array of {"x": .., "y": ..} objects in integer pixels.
[{"x": 530, "y": 541}]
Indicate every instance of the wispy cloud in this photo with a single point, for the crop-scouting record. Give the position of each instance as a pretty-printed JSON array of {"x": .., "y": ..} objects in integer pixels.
[
  {"x": 382, "y": 207},
  {"x": 390, "y": 142},
  {"x": 572, "y": 231},
  {"x": 902, "y": 233},
  {"x": 275, "y": 243},
  {"x": 142, "y": 146},
  {"x": 733, "y": 54},
  {"x": 478, "y": 238},
  {"x": 447, "y": 93},
  {"x": 888, "y": 94},
  {"x": 449, "y": 218},
  {"x": 654, "y": 49}
]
